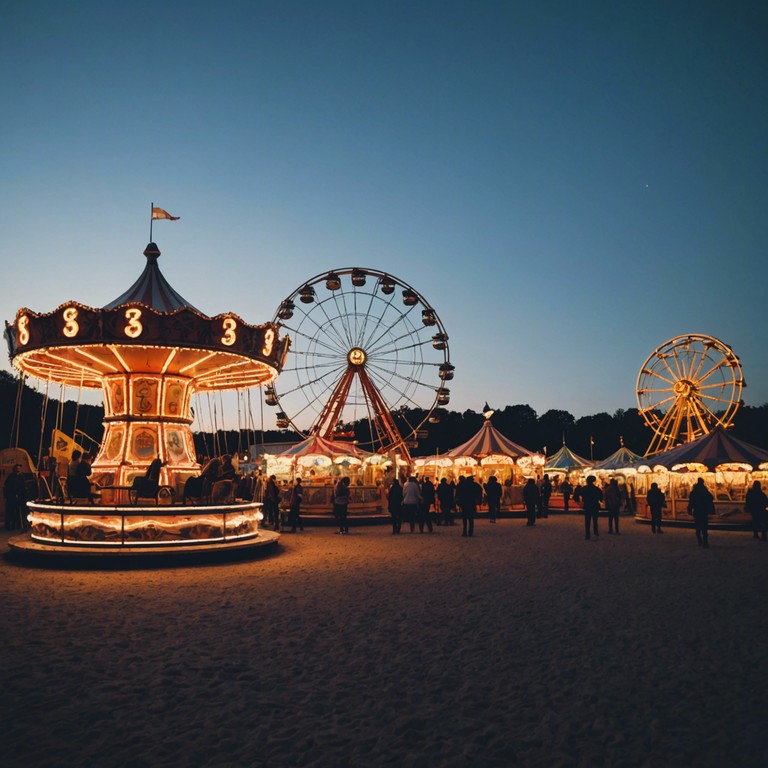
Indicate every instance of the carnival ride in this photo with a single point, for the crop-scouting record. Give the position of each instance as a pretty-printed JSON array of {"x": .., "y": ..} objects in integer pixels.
[
  {"x": 366, "y": 347},
  {"x": 148, "y": 351},
  {"x": 687, "y": 387}
]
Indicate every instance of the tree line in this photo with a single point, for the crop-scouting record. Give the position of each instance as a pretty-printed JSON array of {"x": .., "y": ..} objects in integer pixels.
[{"x": 596, "y": 436}]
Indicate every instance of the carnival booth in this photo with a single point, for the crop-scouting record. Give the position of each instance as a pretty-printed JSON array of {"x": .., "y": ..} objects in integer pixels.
[
  {"x": 320, "y": 463},
  {"x": 148, "y": 351},
  {"x": 727, "y": 465},
  {"x": 488, "y": 453},
  {"x": 566, "y": 464},
  {"x": 620, "y": 466}
]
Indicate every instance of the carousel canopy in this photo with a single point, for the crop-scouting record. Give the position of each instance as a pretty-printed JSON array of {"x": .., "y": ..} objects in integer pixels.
[
  {"x": 710, "y": 450},
  {"x": 152, "y": 289},
  {"x": 566, "y": 460},
  {"x": 622, "y": 459},
  {"x": 488, "y": 442}
]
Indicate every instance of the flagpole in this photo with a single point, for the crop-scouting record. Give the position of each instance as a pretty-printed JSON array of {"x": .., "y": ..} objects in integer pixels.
[{"x": 151, "y": 208}]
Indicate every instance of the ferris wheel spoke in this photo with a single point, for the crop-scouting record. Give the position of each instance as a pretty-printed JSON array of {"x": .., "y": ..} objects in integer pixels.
[
  {"x": 337, "y": 350},
  {"x": 675, "y": 374},
  {"x": 368, "y": 312},
  {"x": 373, "y": 341},
  {"x": 664, "y": 401},
  {"x": 715, "y": 368},
  {"x": 392, "y": 345},
  {"x": 657, "y": 375},
  {"x": 333, "y": 374},
  {"x": 695, "y": 374},
  {"x": 704, "y": 396},
  {"x": 338, "y": 325}
]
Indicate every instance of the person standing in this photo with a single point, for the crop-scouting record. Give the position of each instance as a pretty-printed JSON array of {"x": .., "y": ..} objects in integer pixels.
[
  {"x": 395, "y": 505},
  {"x": 427, "y": 501},
  {"x": 294, "y": 506},
  {"x": 701, "y": 504},
  {"x": 15, "y": 493},
  {"x": 531, "y": 499},
  {"x": 591, "y": 496},
  {"x": 756, "y": 502},
  {"x": 341, "y": 504},
  {"x": 411, "y": 501},
  {"x": 613, "y": 505},
  {"x": 471, "y": 496},
  {"x": 272, "y": 502},
  {"x": 493, "y": 497},
  {"x": 566, "y": 489},
  {"x": 445, "y": 498},
  {"x": 655, "y": 501},
  {"x": 545, "y": 492}
]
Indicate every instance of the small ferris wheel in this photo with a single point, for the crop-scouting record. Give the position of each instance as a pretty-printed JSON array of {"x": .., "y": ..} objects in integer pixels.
[
  {"x": 688, "y": 386},
  {"x": 366, "y": 347}
]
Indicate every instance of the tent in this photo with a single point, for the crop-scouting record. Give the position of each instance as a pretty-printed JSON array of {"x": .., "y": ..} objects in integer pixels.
[
  {"x": 565, "y": 460},
  {"x": 322, "y": 450},
  {"x": 488, "y": 442},
  {"x": 712, "y": 450},
  {"x": 621, "y": 459}
]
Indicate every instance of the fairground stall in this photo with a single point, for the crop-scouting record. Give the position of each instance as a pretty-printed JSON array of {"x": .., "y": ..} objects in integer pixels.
[
  {"x": 728, "y": 466},
  {"x": 320, "y": 464},
  {"x": 148, "y": 351}
]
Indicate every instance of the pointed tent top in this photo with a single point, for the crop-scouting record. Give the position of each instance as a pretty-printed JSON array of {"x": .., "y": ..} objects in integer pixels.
[
  {"x": 566, "y": 460},
  {"x": 713, "y": 449},
  {"x": 489, "y": 442},
  {"x": 620, "y": 460},
  {"x": 152, "y": 289},
  {"x": 315, "y": 445}
]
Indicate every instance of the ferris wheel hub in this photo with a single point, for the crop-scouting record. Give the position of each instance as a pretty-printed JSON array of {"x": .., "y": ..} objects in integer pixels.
[{"x": 356, "y": 356}]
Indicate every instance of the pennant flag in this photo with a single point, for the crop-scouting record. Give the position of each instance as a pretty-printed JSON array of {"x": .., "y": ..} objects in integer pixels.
[{"x": 159, "y": 213}]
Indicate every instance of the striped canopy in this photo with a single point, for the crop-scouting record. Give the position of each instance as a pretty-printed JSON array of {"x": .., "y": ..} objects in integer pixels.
[
  {"x": 488, "y": 442},
  {"x": 152, "y": 289},
  {"x": 713, "y": 449},
  {"x": 565, "y": 460},
  {"x": 622, "y": 459},
  {"x": 322, "y": 448}
]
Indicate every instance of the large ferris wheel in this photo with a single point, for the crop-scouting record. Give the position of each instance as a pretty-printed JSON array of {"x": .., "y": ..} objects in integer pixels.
[
  {"x": 687, "y": 387},
  {"x": 366, "y": 347}
]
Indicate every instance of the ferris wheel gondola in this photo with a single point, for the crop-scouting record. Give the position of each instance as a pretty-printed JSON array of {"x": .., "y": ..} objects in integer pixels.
[{"x": 367, "y": 349}]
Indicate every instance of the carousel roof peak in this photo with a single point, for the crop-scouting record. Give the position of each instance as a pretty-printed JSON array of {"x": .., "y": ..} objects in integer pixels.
[{"x": 152, "y": 289}]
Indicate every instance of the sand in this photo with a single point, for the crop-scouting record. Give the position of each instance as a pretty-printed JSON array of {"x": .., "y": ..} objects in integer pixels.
[{"x": 520, "y": 646}]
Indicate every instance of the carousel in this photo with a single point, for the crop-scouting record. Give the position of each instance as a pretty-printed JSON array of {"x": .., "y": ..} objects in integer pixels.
[{"x": 148, "y": 351}]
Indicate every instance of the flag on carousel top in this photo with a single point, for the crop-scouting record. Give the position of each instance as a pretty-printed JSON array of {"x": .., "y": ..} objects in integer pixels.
[{"x": 159, "y": 213}]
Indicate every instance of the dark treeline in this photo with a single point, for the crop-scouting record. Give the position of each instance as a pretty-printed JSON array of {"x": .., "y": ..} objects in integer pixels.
[{"x": 519, "y": 423}]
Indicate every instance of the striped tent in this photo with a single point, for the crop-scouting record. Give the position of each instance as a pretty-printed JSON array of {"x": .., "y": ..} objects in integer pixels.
[
  {"x": 486, "y": 443},
  {"x": 318, "y": 447},
  {"x": 565, "y": 460},
  {"x": 711, "y": 450},
  {"x": 622, "y": 459}
]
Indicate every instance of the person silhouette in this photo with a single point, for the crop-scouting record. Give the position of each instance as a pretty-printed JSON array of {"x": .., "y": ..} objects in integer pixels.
[
  {"x": 655, "y": 501},
  {"x": 591, "y": 496},
  {"x": 701, "y": 504}
]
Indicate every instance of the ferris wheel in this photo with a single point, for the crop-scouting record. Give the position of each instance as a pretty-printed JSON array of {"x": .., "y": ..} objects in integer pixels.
[
  {"x": 688, "y": 386},
  {"x": 366, "y": 348}
]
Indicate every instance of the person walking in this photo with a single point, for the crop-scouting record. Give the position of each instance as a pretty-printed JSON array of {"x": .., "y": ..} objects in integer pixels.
[
  {"x": 395, "y": 504},
  {"x": 493, "y": 497},
  {"x": 272, "y": 502},
  {"x": 445, "y": 499},
  {"x": 701, "y": 504},
  {"x": 15, "y": 492},
  {"x": 613, "y": 505},
  {"x": 427, "y": 501},
  {"x": 545, "y": 492},
  {"x": 756, "y": 502},
  {"x": 656, "y": 502},
  {"x": 591, "y": 496},
  {"x": 294, "y": 506},
  {"x": 566, "y": 489},
  {"x": 531, "y": 499},
  {"x": 341, "y": 504},
  {"x": 471, "y": 496},
  {"x": 411, "y": 502}
]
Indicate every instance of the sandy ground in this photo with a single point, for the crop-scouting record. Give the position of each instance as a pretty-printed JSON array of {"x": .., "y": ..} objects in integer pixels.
[{"x": 520, "y": 646}]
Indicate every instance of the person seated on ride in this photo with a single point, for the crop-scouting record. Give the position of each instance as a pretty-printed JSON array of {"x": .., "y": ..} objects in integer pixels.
[
  {"x": 210, "y": 474},
  {"x": 227, "y": 471},
  {"x": 148, "y": 485},
  {"x": 72, "y": 473},
  {"x": 80, "y": 483}
]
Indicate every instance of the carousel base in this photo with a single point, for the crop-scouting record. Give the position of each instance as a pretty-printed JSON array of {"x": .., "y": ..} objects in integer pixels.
[
  {"x": 26, "y": 550},
  {"x": 714, "y": 523}
]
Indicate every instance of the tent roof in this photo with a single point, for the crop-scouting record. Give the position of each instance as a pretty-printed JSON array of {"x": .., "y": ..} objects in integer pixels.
[
  {"x": 715, "y": 448},
  {"x": 566, "y": 460},
  {"x": 620, "y": 459},
  {"x": 315, "y": 445},
  {"x": 488, "y": 442},
  {"x": 152, "y": 289}
]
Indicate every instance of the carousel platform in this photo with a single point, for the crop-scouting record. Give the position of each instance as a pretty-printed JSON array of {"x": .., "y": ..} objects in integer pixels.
[{"x": 24, "y": 550}]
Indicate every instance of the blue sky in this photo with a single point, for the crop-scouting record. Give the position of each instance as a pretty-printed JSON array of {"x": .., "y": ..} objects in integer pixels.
[{"x": 569, "y": 184}]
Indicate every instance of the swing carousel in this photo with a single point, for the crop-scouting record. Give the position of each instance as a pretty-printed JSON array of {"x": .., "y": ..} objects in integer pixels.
[{"x": 149, "y": 351}]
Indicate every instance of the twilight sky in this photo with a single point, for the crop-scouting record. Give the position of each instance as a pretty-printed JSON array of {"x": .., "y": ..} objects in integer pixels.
[{"x": 569, "y": 184}]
